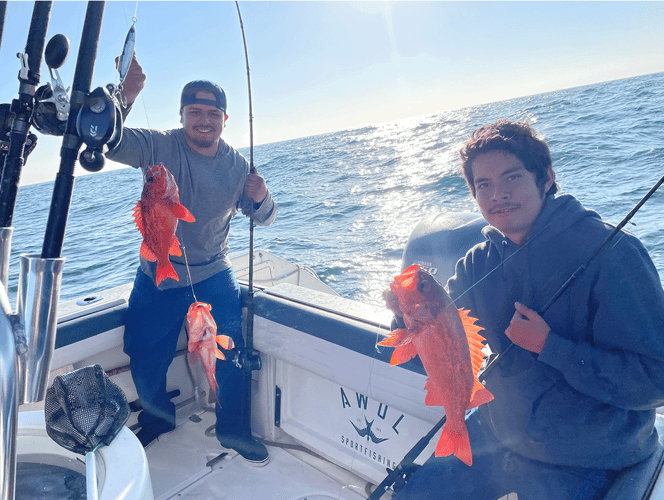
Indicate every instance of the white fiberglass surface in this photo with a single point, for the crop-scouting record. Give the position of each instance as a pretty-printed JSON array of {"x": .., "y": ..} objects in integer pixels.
[{"x": 178, "y": 470}]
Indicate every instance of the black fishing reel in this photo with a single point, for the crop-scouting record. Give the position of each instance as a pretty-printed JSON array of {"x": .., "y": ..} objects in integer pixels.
[
  {"x": 6, "y": 120},
  {"x": 51, "y": 100},
  {"x": 99, "y": 125},
  {"x": 99, "y": 120}
]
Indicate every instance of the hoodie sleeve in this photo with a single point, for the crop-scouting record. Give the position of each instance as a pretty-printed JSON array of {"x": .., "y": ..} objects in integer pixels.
[{"x": 621, "y": 359}]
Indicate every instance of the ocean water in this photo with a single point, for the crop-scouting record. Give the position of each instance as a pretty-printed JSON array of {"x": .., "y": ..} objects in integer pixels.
[{"x": 348, "y": 200}]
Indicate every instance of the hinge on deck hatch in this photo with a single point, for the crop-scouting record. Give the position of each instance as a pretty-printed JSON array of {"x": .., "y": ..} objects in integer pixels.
[{"x": 277, "y": 406}]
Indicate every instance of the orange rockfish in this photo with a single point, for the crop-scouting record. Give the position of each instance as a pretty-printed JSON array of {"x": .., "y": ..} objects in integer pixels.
[
  {"x": 156, "y": 216},
  {"x": 449, "y": 346},
  {"x": 203, "y": 340}
]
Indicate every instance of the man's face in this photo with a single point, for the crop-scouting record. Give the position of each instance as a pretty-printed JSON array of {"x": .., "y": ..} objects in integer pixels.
[
  {"x": 202, "y": 123},
  {"x": 507, "y": 194}
]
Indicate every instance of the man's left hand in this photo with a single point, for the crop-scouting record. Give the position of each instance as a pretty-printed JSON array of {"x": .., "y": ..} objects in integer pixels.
[
  {"x": 528, "y": 329},
  {"x": 255, "y": 187}
]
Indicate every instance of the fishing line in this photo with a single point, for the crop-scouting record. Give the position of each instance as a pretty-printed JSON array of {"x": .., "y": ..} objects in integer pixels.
[
  {"x": 505, "y": 260},
  {"x": 416, "y": 450},
  {"x": 186, "y": 263}
]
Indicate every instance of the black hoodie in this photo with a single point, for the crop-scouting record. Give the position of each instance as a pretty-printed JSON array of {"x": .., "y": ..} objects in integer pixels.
[{"x": 589, "y": 398}]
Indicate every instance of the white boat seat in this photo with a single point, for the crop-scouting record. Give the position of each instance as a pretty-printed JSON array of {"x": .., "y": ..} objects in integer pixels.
[{"x": 634, "y": 483}]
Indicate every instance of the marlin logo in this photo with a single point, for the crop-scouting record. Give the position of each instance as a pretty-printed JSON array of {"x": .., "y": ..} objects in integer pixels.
[{"x": 368, "y": 432}]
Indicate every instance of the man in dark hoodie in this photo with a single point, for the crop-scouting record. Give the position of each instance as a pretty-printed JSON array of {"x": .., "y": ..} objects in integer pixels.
[{"x": 575, "y": 397}]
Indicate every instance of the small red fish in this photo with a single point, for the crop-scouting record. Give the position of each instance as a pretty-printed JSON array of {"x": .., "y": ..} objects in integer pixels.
[
  {"x": 156, "y": 216},
  {"x": 203, "y": 340},
  {"x": 448, "y": 343}
]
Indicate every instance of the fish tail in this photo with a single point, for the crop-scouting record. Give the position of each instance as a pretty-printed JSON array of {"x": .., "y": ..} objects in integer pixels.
[
  {"x": 165, "y": 271},
  {"x": 455, "y": 440}
]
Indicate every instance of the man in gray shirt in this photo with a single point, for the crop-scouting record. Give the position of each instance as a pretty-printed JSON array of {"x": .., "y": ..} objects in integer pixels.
[{"x": 214, "y": 182}]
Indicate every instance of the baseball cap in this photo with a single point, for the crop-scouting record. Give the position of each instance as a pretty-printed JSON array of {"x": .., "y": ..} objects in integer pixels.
[{"x": 189, "y": 94}]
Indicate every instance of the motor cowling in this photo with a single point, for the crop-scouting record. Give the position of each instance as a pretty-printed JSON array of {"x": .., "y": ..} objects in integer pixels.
[{"x": 438, "y": 242}]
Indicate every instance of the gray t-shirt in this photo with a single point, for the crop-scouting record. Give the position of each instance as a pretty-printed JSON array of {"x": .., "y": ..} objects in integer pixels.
[{"x": 211, "y": 188}]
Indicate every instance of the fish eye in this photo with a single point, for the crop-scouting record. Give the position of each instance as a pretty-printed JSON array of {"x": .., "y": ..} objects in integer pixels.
[
  {"x": 424, "y": 286},
  {"x": 150, "y": 179}
]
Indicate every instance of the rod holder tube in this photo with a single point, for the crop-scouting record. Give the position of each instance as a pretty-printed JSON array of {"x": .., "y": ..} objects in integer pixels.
[
  {"x": 9, "y": 398},
  {"x": 5, "y": 253},
  {"x": 38, "y": 295}
]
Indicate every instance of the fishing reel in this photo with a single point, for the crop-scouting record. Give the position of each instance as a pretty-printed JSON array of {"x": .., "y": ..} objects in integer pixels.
[
  {"x": 6, "y": 120},
  {"x": 99, "y": 120},
  {"x": 99, "y": 125},
  {"x": 51, "y": 100}
]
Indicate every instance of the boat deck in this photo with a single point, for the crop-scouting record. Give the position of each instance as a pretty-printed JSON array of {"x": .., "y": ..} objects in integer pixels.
[{"x": 178, "y": 470}]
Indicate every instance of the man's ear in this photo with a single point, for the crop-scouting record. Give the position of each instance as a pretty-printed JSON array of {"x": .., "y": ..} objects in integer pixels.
[{"x": 551, "y": 179}]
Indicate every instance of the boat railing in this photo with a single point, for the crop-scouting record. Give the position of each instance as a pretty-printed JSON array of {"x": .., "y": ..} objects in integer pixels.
[{"x": 26, "y": 346}]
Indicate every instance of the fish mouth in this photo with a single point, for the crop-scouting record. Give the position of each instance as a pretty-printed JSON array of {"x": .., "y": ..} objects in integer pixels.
[{"x": 504, "y": 209}]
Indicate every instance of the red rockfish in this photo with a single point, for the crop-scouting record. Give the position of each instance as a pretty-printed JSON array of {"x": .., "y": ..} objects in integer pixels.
[
  {"x": 203, "y": 340},
  {"x": 449, "y": 346},
  {"x": 156, "y": 216}
]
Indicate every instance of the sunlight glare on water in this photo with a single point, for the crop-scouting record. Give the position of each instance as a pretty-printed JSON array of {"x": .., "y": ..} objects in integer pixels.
[{"x": 349, "y": 200}]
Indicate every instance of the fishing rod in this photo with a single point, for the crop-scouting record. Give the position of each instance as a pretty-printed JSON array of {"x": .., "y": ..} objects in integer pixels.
[
  {"x": 406, "y": 466},
  {"x": 3, "y": 11},
  {"x": 250, "y": 360},
  {"x": 22, "y": 110},
  {"x": 72, "y": 139}
]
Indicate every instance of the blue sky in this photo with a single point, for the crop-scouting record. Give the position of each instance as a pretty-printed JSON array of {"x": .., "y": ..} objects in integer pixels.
[{"x": 325, "y": 66}]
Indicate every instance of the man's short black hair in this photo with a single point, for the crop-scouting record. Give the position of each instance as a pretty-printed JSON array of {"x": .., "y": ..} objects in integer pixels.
[{"x": 516, "y": 138}]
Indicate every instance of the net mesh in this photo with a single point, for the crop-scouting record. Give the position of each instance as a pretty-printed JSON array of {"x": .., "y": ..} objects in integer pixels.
[{"x": 84, "y": 409}]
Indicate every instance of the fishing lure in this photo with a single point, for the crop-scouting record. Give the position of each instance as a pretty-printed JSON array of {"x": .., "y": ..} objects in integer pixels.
[{"x": 127, "y": 52}]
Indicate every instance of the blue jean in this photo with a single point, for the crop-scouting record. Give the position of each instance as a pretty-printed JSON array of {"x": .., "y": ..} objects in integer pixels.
[
  {"x": 153, "y": 322},
  {"x": 496, "y": 471}
]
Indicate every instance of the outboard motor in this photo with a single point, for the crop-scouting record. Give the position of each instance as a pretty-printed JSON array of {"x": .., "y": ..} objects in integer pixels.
[{"x": 438, "y": 242}]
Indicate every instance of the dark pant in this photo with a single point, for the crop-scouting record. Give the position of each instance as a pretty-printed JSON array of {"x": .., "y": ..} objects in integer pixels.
[
  {"x": 497, "y": 471},
  {"x": 152, "y": 326}
]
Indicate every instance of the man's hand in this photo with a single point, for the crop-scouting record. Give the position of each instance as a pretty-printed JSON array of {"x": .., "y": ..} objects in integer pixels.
[
  {"x": 528, "y": 329},
  {"x": 255, "y": 187},
  {"x": 134, "y": 81}
]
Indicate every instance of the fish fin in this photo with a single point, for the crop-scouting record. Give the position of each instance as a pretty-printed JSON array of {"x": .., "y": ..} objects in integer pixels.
[
  {"x": 219, "y": 354},
  {"x": 165, "y": 271},
  {"x": 182, "y": 213},
  {"x": 138, "y": 216},
  {"x": 147, "y": 253},
  {"x": 475, "y": 340},
  {"x": 455, "y": 440},
  {"x": 403, "y": 353},
  {"x": 479, "y": 396},
  {"x": 225, "y": 341},
  {"x": 175, "y": 247},
  {"x": 396, "y": 338},
  {"x": 213, "y": 385},
  {"x": 433, "y": 397},
  {"x": 403, "y": 348}
]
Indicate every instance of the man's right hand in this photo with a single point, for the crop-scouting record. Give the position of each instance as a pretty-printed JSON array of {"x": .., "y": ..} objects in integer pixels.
[{"x": 134, "y": 81}]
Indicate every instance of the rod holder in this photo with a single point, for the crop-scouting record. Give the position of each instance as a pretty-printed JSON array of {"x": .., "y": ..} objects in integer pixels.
[
  {"x": 5, "y": 252},
  {"x": 38, "y": 295},
  {"x": 9, "y": 398}
]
